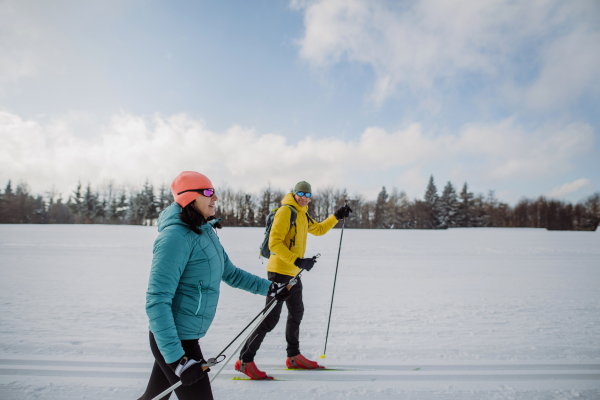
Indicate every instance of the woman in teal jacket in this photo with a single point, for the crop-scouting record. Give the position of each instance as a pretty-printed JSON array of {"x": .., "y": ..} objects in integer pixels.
[{"x": 188, "y": 266}]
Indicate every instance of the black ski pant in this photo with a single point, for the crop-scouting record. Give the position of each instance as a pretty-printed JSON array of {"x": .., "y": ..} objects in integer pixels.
[
  {"x": 292, "y": 330},
  {"x": 163, "y": 377}
]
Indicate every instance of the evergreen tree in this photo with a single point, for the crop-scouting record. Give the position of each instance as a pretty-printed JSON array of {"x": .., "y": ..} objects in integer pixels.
[
  {"x": 465, "y": 215},
  {"x": 5, "y": 203},
  {"x": 76, "y": 204},
  {"x": 135, "y": 209},
  {"x": 379, "y": 217},
  {"x": 122, "y": 209},
  {"x": 431, "y": 199},
  {"x": 111, "y": 210},
  {"x": 91, "y": 206},
  {"x": 447, "y": 207},
  {"x": 165, "y": 197},
  {"x": 24, "y": 205},
  {"x": 148, "y": 204}
]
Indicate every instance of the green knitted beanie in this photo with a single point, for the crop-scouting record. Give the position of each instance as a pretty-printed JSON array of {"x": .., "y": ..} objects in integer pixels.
[{"x": 302, "y": 186}]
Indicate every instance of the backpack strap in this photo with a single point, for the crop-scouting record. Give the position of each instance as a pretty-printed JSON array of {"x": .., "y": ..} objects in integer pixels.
[{"x": 293, "y": 216}]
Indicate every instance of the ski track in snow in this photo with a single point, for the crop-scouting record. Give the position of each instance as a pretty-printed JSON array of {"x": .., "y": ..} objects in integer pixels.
[
  {"x": 123, "y": 370},
  {"x": 457, "y": 314}
]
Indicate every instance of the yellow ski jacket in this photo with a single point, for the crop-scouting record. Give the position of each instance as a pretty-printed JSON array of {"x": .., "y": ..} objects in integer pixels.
[{"x": 283, "y": 257}]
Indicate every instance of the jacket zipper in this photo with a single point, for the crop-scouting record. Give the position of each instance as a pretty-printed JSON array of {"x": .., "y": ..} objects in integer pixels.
[{"x": 200, "y": 298}]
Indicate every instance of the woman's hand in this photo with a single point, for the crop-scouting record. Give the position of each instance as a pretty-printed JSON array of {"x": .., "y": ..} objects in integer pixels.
[
  {"x": 188, "y": 370},
  {"x": 279, "y": 291}
]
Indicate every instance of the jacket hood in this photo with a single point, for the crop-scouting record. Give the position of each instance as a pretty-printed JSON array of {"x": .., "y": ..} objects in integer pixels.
[
  {"x": 290, "y": 200},
  {"x": 170, "y": 216}
]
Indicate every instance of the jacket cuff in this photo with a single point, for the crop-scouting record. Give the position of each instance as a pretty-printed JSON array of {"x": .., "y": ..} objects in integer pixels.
[
  {"x": 175, "y": 356},
  {"x": 268, "y": 285}
]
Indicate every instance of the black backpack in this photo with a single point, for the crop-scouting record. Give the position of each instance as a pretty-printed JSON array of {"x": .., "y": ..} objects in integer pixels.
[{"x": 264, "y": 247}]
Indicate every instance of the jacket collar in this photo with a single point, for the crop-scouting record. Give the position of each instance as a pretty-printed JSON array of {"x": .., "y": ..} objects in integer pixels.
[{"x": 290, "y": 200}]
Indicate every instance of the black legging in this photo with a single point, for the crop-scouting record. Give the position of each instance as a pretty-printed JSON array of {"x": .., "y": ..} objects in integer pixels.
[
  {"x": 295, "y": 308},
  {"x": 163, "y": 376}
]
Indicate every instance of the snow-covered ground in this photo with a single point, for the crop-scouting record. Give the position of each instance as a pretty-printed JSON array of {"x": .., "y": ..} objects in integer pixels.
[{"x": 456, "y": 314}]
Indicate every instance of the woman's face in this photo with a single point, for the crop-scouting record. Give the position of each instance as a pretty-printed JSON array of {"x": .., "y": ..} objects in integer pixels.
[{"x": 206, "y": 205}]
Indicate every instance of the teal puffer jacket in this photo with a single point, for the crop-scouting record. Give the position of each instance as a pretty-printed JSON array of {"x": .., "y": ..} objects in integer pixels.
[{"x": 184, "y": 285}]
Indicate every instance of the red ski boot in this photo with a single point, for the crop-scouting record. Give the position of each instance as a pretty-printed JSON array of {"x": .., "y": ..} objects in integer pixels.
[
  {"x": 251, "y": 370},
  {"x": 301, "y": 362}
]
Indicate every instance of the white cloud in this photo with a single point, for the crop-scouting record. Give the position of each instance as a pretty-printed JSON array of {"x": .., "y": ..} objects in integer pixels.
[
  {"x": 567, "y": 188},
  {"x": 415, "y": 46},
  {"x": 34, "y": 40},
  {"x": 131, "y": 148},
  {"x": 506, "y": 150}
]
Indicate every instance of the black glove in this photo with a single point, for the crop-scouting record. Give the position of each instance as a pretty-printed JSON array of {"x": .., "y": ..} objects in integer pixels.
[
  {"x": 305, "y": 263},
  {"x": 343, "y": 212},
  {"x": 279, "y": 291},
  {"x": 189, "y": 371}
]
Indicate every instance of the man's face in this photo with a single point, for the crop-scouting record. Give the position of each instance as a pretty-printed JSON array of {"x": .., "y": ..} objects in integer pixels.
[{"x": 302, "y": 201}]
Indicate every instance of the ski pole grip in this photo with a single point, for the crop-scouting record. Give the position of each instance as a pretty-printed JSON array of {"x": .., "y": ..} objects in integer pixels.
[{"x": 294, "y": 280}]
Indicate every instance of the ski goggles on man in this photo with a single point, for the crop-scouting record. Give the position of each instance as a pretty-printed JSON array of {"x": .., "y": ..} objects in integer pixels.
[
  {"x": 203, "y": 192},
  {"x": 303, "y": 194}
]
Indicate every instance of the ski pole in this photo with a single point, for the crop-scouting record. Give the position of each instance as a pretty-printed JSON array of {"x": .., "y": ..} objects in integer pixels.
[
  {"x": 292, "y": 282},
  {"x": 269, "y": 307},
  {"x": 167, "y": 391},
  {"x": 244, "y": 341},
  {"x": 212, "y": 361},
  {"x": 334, "y": 280},
  {"x": 215, "y": 360}
]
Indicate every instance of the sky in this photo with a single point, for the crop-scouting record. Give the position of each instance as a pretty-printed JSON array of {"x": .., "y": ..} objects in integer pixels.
[{"x": 356, "y": 94}]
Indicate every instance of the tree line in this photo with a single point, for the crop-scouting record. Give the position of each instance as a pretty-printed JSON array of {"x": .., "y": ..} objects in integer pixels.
[{"x": 391, "y": 210}]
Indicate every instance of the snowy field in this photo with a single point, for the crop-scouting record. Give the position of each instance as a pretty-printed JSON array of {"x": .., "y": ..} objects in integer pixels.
[{"x": 456, "y": 314}]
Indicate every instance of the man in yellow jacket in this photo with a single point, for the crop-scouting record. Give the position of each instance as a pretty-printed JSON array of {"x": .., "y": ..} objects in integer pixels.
[{"x": 288, "y": 244}]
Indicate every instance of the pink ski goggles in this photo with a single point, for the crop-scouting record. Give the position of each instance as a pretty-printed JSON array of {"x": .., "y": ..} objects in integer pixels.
[{"x": 203, "y": 192}]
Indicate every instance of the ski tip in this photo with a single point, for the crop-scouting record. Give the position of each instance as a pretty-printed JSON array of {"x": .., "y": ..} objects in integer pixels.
[
  {"x": 323, "y": 356},
  {"x": 267, "y": 378},
  {"x": 319, "y": 368}
]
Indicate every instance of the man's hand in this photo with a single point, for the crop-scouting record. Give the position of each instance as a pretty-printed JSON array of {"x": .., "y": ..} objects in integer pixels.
[
  {"x": 305, "y": 263},
  {"x": 188, "y": 370},
  {"x": 343, "y": 212}
]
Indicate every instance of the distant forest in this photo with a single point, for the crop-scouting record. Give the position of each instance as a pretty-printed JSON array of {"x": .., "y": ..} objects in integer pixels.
[{"x": 391, "y": 210}]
